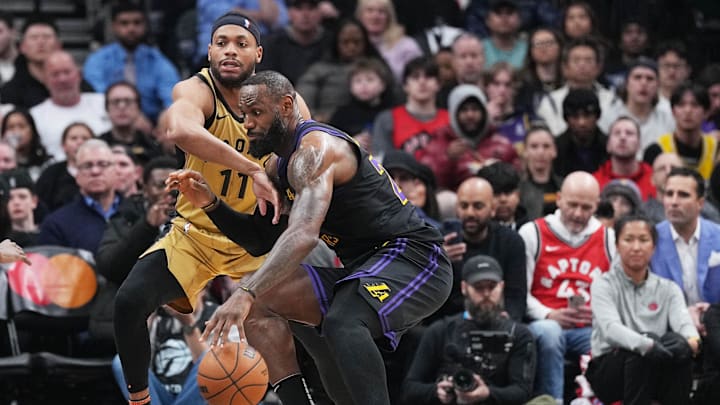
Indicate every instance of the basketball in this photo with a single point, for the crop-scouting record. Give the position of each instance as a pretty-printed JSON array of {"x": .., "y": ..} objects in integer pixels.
[{"x": 234, "y": 374}]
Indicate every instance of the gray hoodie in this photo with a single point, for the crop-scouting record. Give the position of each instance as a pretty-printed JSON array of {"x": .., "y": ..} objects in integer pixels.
[
  {"x": 622, "y": 310},
  {"x": 457, "y": 96}
]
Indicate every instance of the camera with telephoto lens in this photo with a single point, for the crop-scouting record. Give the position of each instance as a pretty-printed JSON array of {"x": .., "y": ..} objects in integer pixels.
[{"x": 481, "y": 353}]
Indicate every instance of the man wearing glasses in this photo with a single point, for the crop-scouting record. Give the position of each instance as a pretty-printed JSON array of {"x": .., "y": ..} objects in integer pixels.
[
  {"x": 122, "y": 102},
  {"x": 80, "y": 223}
]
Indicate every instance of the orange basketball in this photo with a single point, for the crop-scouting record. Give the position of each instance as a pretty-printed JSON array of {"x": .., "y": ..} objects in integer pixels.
[{"x": 234, "y": 374}]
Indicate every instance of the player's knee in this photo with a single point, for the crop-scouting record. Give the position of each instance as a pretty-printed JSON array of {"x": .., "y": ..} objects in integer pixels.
[
  {"x": 130, "y": 304},
  {"x": 262, "y": 330}
]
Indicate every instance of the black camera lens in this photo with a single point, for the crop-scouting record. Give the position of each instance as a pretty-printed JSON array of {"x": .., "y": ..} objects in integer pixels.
[{"x": 464, "y": 381}]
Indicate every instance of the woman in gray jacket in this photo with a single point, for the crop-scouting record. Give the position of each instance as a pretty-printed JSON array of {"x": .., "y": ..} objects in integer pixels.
[{"x": 643, "y": 338}]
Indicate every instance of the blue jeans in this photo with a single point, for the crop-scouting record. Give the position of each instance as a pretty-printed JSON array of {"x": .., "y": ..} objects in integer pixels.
[
  {"x": 190, "y": 394},
  {"x": 553, "y": 343}
]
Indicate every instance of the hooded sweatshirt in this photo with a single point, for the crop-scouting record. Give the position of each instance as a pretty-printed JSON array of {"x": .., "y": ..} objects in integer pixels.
[{"x": 484, "y": 147}]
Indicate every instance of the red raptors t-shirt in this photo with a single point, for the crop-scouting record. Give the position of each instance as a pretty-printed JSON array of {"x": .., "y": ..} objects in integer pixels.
[{"x": 562, "y": 270}]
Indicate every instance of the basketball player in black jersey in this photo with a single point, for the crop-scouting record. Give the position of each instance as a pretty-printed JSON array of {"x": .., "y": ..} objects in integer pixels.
[{"x": 395, "y": 273}]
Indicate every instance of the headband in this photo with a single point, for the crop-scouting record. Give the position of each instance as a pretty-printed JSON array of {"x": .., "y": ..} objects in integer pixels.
[{"x": 233, "y": 18}]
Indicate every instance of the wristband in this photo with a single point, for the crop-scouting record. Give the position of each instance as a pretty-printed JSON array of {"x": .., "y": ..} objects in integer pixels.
[
  {"x": 212, "y": 205},
  {"x": 249, "y": 291}
]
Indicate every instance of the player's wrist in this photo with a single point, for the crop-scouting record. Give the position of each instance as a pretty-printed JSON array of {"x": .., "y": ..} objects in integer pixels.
[
  {"x": 212, "y": 205},
  {"x": 248, "y": 291}
]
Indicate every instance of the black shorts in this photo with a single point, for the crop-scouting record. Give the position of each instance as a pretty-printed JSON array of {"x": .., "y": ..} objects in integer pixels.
[{"x": 404, "y": 281}]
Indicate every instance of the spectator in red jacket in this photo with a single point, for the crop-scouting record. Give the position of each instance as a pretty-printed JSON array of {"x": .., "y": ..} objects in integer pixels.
[
  {"x": 457, "y": 151},
  {"x": 622, "y": 146}
]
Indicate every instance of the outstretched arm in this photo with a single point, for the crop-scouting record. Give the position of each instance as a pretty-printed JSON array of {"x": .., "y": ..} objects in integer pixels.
[
  {"x": 311, "y": 173},
  {"x": 254, "y": 233},
  {"x": 192, "y": 102}
]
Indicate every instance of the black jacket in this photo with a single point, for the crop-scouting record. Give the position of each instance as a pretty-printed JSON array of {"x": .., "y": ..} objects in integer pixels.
[
  {"x": 507, "y": 247},
  {"x": 433, "y": 358},
  {"x": 126, "y": 237},
  {"x": 572, "y": 157}
]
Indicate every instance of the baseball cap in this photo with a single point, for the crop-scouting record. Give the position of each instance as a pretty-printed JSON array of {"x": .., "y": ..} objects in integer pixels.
[
  {"x": 481, "y": 268},
  {"x": 625, "y": 188},
  {"x": 18, "y": 178}
]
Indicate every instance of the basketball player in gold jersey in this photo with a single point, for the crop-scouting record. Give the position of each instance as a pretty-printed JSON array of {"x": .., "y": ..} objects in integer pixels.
[{"x": 205, "y": 122}]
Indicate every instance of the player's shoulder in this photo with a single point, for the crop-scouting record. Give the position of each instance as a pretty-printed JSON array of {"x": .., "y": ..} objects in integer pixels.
[
  {"x": 191, "y": 84},
  {"x": 196, "y": 92}
]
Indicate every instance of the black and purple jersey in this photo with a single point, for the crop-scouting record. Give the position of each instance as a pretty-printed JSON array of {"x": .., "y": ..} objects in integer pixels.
[{"x": 368, "y": 211}]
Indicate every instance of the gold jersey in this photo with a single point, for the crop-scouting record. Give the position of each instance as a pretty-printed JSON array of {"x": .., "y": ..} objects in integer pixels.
[
  {"x": 230, "y": 186},
  {"x": 196, "y": 250}
]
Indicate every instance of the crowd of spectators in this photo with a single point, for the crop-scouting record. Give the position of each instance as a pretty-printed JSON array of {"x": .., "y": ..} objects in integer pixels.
[{"x": 568, "y": 151}]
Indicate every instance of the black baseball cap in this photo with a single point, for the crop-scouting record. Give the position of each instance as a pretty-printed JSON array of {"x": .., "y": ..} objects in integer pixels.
[
  {"x": 481, "y": 268},
  {"x": 18, "y": 178}
]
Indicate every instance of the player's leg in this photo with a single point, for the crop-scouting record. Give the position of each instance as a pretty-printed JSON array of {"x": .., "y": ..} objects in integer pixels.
[
  {"x": 268, "y": 331},
  {"x": 317, "y": 346},
  {"x": 148, "y": 286},
  {"x": 351, "y": 327}
]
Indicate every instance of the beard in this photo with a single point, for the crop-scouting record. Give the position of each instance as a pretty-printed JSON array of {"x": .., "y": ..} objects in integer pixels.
[
  {"x": 485, "y": 312},
  {"x": 475, "y": 230},
  {"x": 266, "y": 143},
  {"x": 229, "y": 82}
]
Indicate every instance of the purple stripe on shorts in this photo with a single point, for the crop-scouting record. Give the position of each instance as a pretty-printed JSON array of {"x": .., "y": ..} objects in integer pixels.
[
  {"x": 406, "y": 292},
  {"x": 317, "y": 287},
  {"x": 400, "y": 246}
]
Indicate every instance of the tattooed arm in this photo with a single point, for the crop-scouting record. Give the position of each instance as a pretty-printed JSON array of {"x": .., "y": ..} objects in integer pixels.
[{"x": 311, "y": 174}]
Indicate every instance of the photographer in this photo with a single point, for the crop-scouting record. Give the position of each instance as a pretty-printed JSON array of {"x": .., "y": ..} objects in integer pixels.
[{"x": 478, "y": 356}]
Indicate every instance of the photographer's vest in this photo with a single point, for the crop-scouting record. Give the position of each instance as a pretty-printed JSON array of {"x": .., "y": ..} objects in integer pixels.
[
  {"x": 562, "y": 270},
  {"x": 707, "y": 157},
  {"x": 411, "y": 134}
]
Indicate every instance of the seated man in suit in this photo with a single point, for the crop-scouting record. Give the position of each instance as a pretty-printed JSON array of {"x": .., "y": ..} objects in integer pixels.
[{"x": 688, "y": 249}]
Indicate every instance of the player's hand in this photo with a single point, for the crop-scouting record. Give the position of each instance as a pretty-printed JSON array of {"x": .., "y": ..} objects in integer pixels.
[
  {"x": 265, "y": 192},
  {"x": 232, "y": 312},
  {"x": 193, "y": 186},
  {"x": 11, "y": 252}
]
